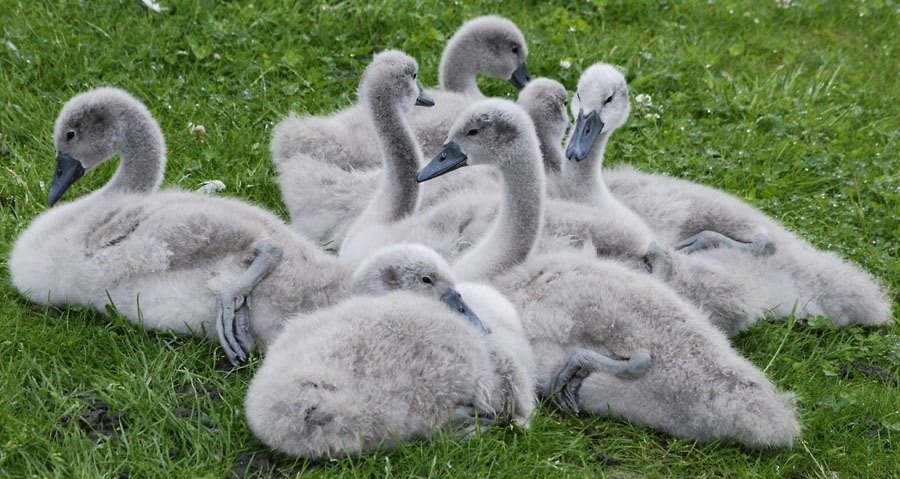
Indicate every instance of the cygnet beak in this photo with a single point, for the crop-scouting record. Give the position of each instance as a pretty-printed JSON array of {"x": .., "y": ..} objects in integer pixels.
[
  {"x": 423, "y": 99},
  {"x": 454, "y": 301},
  {"x": 587, "y": 128},
  {"x": 520, "y": 76},
  {"x": 68, "y": 171},
  {"x": 448, "y": 159}
]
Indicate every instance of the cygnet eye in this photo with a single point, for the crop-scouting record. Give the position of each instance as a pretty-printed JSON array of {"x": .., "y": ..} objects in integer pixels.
[
  {"x": 415, "y": 74},
  {"x": 70, "y": 134},
  {"x": 462, "y": 310},
  {"x": 472, "y": 132},
  {"x": 515, "y": 50},
  {"x": 427, "y": 280},
  {"x": 608, "y": 100}
]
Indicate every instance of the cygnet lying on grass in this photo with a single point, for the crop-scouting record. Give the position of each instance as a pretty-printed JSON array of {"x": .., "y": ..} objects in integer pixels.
[
  {"x": 785, "y": 270},
  {"x": 606, "y": 340},
  {"x": 392, "y": 365},
  {"x": 326, "y": 161},
  {"x": 488, "y": 45},
  {"x": 170, "y": 260}
]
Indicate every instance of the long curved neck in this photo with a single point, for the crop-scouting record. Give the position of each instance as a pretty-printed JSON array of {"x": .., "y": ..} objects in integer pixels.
[
  {"x": 398, "y": 193},
  {"x": 551, "y": 151},
  {"x": 518, "y": 222},
  {"x": 582, "y": 180},
  {"x": 143, "y": 156},
  {"x": 457, "y": 71}
]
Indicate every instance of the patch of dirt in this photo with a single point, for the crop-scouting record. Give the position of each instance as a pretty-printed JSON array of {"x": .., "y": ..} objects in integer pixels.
[
  {"x": 98, "y": 420},
  {"x": 258, "y": 464},
  {"x": 868, "y": 370},
  {"x": 224, "y": 364},
  {"x": 607, "y": 459}
]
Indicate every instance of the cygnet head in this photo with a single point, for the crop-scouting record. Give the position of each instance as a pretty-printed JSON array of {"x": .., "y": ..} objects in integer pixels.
[
  {"x": 95, "y": 125},
  {"x": 491, "y": 45},
  {"x": 413, "y": 268},
  {"x": 545, "y": 101},
  {"x": 492, "y": 131},
  {"x": 600, "y": 105},
  {"x": 392, "y": 81}
]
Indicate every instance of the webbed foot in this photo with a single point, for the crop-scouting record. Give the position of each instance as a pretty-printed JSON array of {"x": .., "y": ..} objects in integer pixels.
[
  {"x": 233, "y": 304},
  {"x": 567, "y": 382},
  {"x": 761, "y": 245},
  {"x": 659, "y": 261},
  {"x": 465, "y": 420}
]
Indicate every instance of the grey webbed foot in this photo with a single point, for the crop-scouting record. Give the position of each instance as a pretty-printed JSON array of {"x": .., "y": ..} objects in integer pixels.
[
  {"x": 567, "y": 382},
  {"x": 761, "y": 245},
  {"x": 465, "y": 420},
  {"x": 660, "y": 262},
  {"x": 233, "y": 304}
]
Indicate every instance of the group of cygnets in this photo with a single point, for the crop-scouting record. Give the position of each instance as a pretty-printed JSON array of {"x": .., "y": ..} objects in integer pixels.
[{"x": 505, "y": 270}]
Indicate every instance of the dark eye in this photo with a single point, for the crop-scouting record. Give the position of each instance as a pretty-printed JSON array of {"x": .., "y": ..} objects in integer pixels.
[
  {"x": 515, "y": 49},
  {"x": 70, "y": 134},
  {"x": 427, "y": 280},
  {"x": 462, "y": 310},
  {"x": 565, "y": 102},
  {"x": 608, "y": 100},
  {"x": 415, "y": 74},
  {"x": 472, "y": 132}
]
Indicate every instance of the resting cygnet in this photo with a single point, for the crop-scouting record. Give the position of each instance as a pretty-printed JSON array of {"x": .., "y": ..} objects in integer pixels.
[
  {"x": 786, "y": 270},
  {"x": 390, "y": 366},
  {"x": 488, "y": 45},
  {"x": 327, "y": 162},
  {"x": 606, "y": 339},
  {"x": 170, "y": 260}
]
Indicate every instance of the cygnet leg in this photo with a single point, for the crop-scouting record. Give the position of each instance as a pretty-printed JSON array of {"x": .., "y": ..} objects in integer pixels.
[
  {"x": 464, "y": 421},
  {"x": 761, "y": 245},
  {"x": 232, "y": 305},
  {"x": 567, "y": 382},
  {"x": 660, "y": 262}
]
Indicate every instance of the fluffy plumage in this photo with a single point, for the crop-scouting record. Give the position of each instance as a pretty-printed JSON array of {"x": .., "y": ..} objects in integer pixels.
[
  {"x": 323, "y": 162},
  {"x": 373, "y": 371},
  {"x": 697, "y": 386},
  {"x": 162, "y": 258},
  {"x": 775, "y": 276}
]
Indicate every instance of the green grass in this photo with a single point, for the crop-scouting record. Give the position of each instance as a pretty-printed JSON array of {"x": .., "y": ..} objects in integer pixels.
[{"x": 796, "y": 110}]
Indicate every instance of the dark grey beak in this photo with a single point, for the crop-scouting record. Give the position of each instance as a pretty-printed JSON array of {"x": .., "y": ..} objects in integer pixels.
[
  {"x": 520, "y": 76},
  {"x": 68, "y": 171},
  {"x": 423, "y": 99},
  {"x": 448, "y": 159},
  {"x": 586, "y": 130},
  {"x": 454, "y": 301}
]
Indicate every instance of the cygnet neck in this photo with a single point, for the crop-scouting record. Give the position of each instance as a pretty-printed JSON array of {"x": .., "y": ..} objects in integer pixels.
[
  {"x": 518, "y": 222},
  {"x": 398, "y": 193},
  {"x": 583, "y": 180},
  {"x": 551, "y": 149},
  {"x": 143, "y": 155},
  {"x": 458, "y": 69}
]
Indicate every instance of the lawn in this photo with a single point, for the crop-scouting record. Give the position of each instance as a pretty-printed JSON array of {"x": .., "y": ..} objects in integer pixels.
[{"x": 791, "y": 105}]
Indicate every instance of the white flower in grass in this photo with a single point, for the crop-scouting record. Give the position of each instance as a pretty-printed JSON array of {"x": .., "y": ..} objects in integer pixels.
[
  {"x": 643, "y": 100},
  {"x": 152, "y": 5},
  {"x": 652, "y": 116},
  {"x": 197, "y": 131},
  {"x": 783, "y": 3},
  {"x": 565, "y": 64},
  {"x": 210, "y": 186}
]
